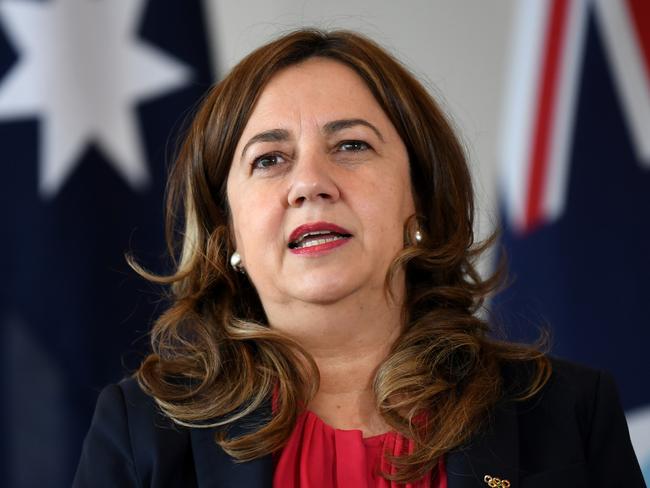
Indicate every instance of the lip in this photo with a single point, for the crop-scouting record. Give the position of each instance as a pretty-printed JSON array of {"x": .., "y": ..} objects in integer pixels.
[
  {"x": 315, "y": 227},
  {"x": 320, "y": 248}
]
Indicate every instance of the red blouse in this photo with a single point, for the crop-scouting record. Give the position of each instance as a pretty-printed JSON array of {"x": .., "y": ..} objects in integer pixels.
[{"x": 318, "y": 455}]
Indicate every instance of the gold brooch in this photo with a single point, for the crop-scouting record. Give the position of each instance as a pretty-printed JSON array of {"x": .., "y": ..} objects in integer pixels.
[{"x": 496, "y": 482}]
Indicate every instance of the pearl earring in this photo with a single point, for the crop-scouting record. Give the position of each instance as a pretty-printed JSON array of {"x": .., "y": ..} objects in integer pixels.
[
  {"x": 418, "y": 236},
  {"x": 235, "y": 262}
]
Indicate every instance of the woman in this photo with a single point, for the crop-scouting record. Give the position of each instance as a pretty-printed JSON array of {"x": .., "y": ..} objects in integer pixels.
[{"x": 323, "y": 328}]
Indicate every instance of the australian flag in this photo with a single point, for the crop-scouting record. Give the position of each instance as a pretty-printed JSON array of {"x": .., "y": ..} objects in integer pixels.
[
  {"x": 92, "y": 93},
  {"x": 576, "y": 188}
]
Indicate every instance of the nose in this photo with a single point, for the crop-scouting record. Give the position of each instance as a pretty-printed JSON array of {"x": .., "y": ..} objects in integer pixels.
[{"x": 312, "y": 181}]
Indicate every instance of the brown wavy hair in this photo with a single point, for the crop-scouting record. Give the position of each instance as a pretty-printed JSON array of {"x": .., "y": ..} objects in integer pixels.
[{"x": 214, "y": 359}]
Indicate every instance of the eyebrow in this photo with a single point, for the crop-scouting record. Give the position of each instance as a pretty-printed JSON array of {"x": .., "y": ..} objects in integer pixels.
[
  {"x": 273, "y": 135},
  {"x": 337, "y": 125},
  {"x": 281, "y": 135}
]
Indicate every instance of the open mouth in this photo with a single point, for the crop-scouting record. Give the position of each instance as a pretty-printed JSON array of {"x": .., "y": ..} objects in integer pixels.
[{"x": 317, "y": 238}]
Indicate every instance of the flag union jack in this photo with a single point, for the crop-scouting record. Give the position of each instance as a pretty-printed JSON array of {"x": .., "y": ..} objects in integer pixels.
[{"x": 575, "y": 187}]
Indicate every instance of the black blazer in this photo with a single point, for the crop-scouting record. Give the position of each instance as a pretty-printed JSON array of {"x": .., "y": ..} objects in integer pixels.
[{"x": 572, "y": 434}]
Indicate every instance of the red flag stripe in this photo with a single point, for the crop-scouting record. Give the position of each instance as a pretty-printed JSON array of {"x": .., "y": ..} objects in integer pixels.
[
  {"x": 549, "y": 76},
  {"x": 640, "y": 13}
]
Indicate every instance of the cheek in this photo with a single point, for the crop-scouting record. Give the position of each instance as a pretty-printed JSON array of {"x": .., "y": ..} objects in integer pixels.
[
  {"x": 240, "y": 209},
  {"x": 391, "y": 200},
  {"x": 384, "y": 214},
  {"x": 257, "y": 224},
  {"x": 409, "y": 202},
  {"x": 391, "y": 215}
]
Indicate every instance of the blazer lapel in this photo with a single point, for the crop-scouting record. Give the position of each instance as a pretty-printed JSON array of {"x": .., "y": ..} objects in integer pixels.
[
  {"x": 493, "y": 452},
  {"x": 216, "y": 469}
]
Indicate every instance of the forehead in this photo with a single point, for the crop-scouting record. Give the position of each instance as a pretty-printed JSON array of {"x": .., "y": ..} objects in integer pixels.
[{"x": 316, "y": 90}]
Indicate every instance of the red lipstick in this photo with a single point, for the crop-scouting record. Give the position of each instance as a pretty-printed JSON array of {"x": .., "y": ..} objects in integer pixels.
[{"x": 317, "y": 237}]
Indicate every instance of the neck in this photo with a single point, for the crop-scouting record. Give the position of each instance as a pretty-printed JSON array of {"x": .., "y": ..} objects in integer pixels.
[{"x": 348, "y": 340}]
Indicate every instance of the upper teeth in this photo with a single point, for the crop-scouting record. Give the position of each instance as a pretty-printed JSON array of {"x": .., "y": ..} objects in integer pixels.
[
  {"x": 313, "y": 233},
  {"x": 317, "y": 242},
  {"x": 316, "y": 237}
]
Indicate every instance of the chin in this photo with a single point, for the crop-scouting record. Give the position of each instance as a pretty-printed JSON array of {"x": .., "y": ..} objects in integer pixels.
[
  {"x": 322, "y": 296},
  {"x": 325, "y": 292}
]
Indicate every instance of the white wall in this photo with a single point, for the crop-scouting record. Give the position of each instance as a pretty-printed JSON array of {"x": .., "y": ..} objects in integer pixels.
[{"x": 459, "y": 48}]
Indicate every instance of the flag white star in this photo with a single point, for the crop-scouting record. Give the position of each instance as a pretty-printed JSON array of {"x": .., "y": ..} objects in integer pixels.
[{"x": 82, "y": 69}]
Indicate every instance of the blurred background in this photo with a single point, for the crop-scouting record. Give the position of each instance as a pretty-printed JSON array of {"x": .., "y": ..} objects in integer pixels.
[{"x": 551, "y": 98}]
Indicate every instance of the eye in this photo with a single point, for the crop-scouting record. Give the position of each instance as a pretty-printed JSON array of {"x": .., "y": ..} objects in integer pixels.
[
  {"x": 266, "y": 161},
  {"x": 353, "y": 146}
]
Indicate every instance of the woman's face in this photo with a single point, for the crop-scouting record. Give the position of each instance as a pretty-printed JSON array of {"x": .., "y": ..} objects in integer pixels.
[{"x": 319, "y": 188}]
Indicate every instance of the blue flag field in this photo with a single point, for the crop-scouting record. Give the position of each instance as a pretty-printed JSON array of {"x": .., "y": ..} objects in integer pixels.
[{"x": 91, "y": 96}]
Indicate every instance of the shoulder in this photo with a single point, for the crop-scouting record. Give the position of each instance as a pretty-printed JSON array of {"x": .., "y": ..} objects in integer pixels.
[
  {"x": 144, "y": 416},
  {"x": 568, "y": 383},
  {"x": 132, "y": 443},
  {"x": 152, "y": 432},
  {"x": 575, "y": 378},
  {"x": 573, "y": 390}
]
